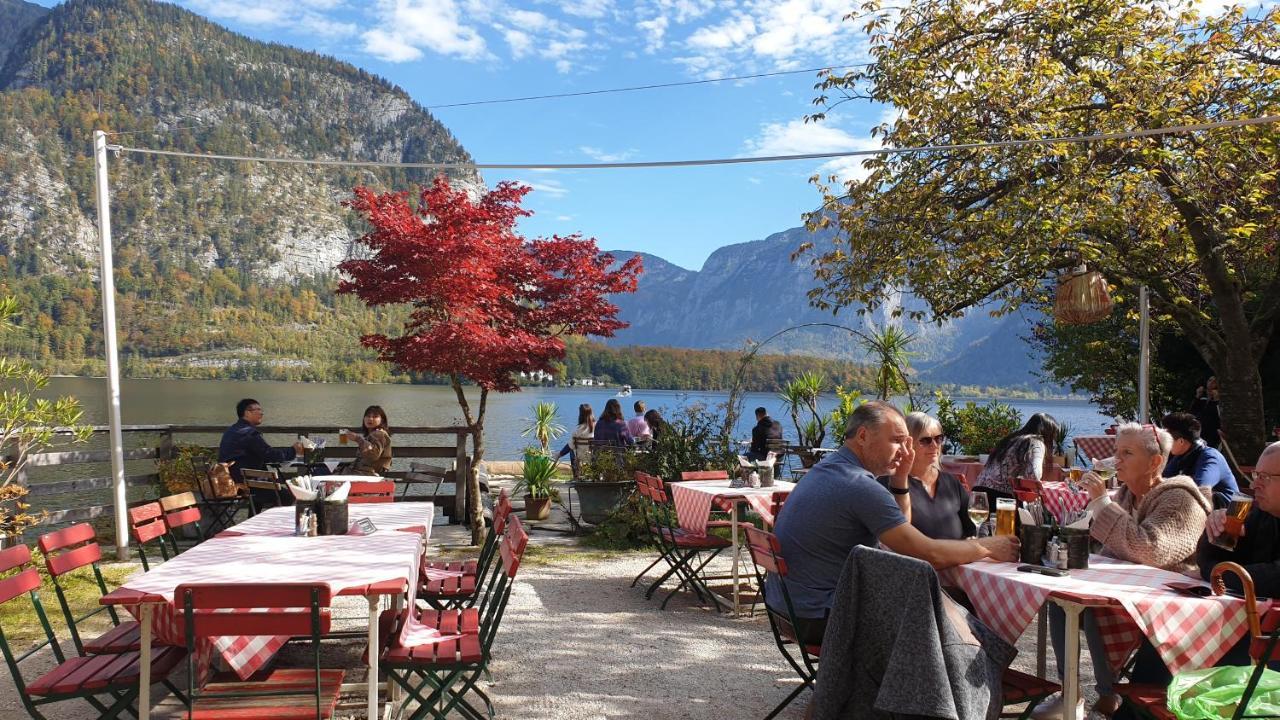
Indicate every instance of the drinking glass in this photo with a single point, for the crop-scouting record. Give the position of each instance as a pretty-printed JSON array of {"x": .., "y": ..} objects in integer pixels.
[
  {"x": 978, "y": 509},
  {"x": 1233, "y": 527},
  {"x": 1006, "y": 515},
  {"x": 342, "y": 436}
]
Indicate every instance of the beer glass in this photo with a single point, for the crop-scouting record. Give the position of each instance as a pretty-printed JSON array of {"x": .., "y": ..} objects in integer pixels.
[
  {"x": 1233, "y": 525},
  {"x": 342, "y": 436},
  {"x": 1006, "y": 515},
  {"x": 1073, "y": 476}
]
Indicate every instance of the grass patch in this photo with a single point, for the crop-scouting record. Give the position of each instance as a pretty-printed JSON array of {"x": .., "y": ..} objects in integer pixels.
[{"x": 22, "y": 627}]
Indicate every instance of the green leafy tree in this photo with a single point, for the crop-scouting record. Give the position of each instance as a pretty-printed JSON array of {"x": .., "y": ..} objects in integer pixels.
[
  {"x": 888, "y": 347},
  {"x": 1190, "y": 215}
]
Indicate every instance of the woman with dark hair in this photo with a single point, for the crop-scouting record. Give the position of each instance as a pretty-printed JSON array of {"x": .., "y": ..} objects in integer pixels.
[
  {"x": 611, "y": 426},
  {"x": 581, "y": 434},
  {"x": 657, "y": 426},
  {"x": 373, "y": 446},
  {"x": 1020, "y": 454}
]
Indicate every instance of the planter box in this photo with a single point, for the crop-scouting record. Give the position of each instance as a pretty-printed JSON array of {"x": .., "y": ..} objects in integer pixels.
[{"x": 597, "y": 499}]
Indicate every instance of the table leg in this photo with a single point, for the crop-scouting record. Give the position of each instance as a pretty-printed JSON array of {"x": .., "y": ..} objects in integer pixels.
[
  {"x": 1071, "y": 681},
  {"x": 393, "y": 690},
  {"x": 144, "y": 662},
  {"x": 374, "y": 652},
  {"x": 733, "y": 517},
  {"x": 1042, "y": 630}
]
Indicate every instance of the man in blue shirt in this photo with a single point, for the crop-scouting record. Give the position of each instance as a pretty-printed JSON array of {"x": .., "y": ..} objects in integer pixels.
[
  {"x": 839, "y": 504},
  {"x": 1190, "y": 456}
]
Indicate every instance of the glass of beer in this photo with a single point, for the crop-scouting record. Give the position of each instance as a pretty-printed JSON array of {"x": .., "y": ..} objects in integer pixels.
[
  {"x": 1073, "y": 477},
  {"x": 1006, "y": 515},
  {"x": 342, "y": 436},
  {"x": 1233, "y": 527}
]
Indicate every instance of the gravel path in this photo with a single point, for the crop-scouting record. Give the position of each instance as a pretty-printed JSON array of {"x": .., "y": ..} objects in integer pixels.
[{"x": 577, "y": 642}]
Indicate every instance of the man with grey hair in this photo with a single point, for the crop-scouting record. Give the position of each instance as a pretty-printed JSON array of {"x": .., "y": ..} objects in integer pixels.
[{"x": 839, "y": 505}]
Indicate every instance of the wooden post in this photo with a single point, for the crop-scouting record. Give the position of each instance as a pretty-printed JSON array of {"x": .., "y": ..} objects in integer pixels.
[
  {"x": 165, "y": 450},
  {"x": 462, "y": 478}
]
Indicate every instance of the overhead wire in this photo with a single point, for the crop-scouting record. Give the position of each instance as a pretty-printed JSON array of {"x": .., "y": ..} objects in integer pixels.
[{"x": 1061, "y": 140}]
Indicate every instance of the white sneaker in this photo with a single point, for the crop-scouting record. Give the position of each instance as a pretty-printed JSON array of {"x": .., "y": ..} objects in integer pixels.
[{"x": 1051, "y": 709}]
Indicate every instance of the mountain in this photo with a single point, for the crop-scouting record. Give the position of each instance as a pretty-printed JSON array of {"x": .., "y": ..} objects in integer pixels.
[
  {"x": 752, "y": 290},
  {"x": 15, "y": 17}
]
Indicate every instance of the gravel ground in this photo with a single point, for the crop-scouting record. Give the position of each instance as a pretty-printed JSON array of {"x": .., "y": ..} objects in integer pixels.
[{"x": 577, "y": 642}]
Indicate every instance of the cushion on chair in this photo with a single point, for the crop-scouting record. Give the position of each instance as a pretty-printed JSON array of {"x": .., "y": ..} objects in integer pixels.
[
  {"x": 98, "y": 672},
  {"x": 288, "y": 707}
]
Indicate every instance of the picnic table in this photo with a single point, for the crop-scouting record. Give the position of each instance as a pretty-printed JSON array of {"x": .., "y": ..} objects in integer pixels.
[
  {"x": 693, "y": 500},
  {"x": 264, "y": 549},
  {"x": 1130, "y": 603}
]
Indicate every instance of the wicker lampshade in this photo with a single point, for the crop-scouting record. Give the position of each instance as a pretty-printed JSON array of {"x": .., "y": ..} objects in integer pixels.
[{"x": 1082, "y": 298}]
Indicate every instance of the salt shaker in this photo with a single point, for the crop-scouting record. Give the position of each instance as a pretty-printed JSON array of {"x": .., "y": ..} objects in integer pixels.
[
  {"x": 755, "y": 479},
  {"x": 1062, "y": 556}
]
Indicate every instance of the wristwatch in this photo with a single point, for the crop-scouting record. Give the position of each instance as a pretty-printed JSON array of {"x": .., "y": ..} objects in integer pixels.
[{"x": 899, "y": 491}]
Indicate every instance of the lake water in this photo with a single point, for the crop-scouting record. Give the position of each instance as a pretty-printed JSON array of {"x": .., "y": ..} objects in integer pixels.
[{"x": 212, "y": 402}]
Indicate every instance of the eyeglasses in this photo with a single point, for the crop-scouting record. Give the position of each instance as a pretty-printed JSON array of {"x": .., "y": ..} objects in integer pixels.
[
  {"x": 1259, "y": 476},
  {"x": 932, "y": 439},
  {"x": 254, "y": 409}
]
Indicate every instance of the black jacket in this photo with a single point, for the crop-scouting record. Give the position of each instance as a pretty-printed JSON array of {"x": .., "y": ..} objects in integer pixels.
[
  {"x": 1258, "y": 551},
  {"x": 243, "y": 443},
  {"x": 764, "y": 431}
]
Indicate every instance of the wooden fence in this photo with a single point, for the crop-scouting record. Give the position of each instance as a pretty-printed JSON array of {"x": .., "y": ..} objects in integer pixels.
[{"x": 170, "y": 436}]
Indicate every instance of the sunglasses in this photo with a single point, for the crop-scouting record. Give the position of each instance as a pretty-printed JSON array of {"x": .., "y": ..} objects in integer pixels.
[{"x": 932, "y": 439}]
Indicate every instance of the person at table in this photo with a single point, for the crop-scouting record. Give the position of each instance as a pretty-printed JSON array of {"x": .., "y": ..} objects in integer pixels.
[
  {"x": 765, "y": 429},
  {"x": 657, "y": 426},
  {"x": 243, "y": 446},
  {"x": 1153, "y": 520},
  {"x": 1205, "y": 408},
  {"x": 841, "y": 505},
  {"x": 637, "y": 428},
  {"x": 373, "y": 446},
  {"x": 611, "y": 427},
  {"x": 1257, "y": 549},
  {"x": 584, "y": 431},
  {"x": 1023, "y": 453},
  {"x": 1192, "y": 457},
  {"x": 939, "y": 501}
]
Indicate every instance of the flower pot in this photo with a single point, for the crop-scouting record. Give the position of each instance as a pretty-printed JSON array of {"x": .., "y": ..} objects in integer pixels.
[
  {"x": 537, "y": 508},
  {"x": 807, "y": 458},
  {"x": 597, "y": 499}
]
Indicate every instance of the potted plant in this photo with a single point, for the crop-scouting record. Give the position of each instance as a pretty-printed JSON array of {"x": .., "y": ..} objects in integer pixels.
[
  {"x": 606, "y": 479},
  {"x": 535, "y": 482},
  {"x": 800, "y": 397}
]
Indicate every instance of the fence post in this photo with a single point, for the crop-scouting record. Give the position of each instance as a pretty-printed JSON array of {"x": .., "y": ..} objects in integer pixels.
[
  {"x": 462, "y": 479},
  {"x": 165, "y": 450}
]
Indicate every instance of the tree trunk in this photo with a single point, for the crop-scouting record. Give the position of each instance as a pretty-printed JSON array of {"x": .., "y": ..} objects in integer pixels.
[
  {"x": 1240, "y": 398},
  {"x": 478, "y": 529}
]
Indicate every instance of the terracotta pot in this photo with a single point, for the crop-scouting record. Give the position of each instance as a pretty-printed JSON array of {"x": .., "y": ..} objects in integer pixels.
[{"x": 537, "y": 508}]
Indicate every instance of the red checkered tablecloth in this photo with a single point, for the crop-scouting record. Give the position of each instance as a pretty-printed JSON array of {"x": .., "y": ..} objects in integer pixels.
[
  {"x": 1059, "y": 498},
  {"x": 1132, "y": 603},
  {"x": 1095, "y": 446},
  {"x": 349, "y": 564},
  {"x": 693, "y": 500}
]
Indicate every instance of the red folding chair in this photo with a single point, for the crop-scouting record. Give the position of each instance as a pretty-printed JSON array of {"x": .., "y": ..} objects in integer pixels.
[
  {"x": 1264, "y": 647},
  {"x": 71, "y": 549},
  {"x": 776, "y": 500},
  {"x": 146, "y": 523},
  {"x": 658, "y": 483},
  {"x": 686, "y": 555},
  {"x": 108, "y": 682},
  {"x": 704, "y": 475},
  {"x": 298, "y": 609},
  {"x": 372, "y": 492},
  {"x": 450, "y": 662},
  {"x": 181, "y": 511},
  {"x": 457, "y": 583}
]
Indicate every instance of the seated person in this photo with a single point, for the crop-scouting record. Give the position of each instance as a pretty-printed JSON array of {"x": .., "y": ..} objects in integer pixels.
[
  {"x": 636, "y": 426},
  {"x": 244, "y": 445},
  {"x": 1023, "y": 453},
  {"x": 373, "y": 446},
  {"x": 1154, "y": 520},
  {"x": 1258, "y": 549},
  {"x": 939, "y": 501},
  {"x": 840, "y": 505},
  {"x": 765, "y": 429},
  {"x": 585, "y": 430},
  {"x": 1195, "y": 459},
  {"x": 657, "y": 426},
  {"x": 611, "y": 427}
]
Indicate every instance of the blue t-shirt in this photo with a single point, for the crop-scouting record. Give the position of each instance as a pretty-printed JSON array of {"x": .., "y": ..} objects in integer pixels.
[
  {"x": 836, "y": 506},
  {"x": 1206, "y": 466}
]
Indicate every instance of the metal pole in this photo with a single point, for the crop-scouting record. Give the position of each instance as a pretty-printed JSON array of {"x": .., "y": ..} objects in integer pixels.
[
  {"x": 107, "y": 282},
  {"x": 1144, "y": 355}
]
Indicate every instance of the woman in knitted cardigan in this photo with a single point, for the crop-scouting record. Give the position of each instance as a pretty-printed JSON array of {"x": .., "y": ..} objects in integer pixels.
[{"x": 1152, "y": 521}]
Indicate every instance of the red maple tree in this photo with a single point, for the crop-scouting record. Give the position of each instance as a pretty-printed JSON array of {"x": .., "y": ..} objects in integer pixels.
[{"x": 487, "y": 303}]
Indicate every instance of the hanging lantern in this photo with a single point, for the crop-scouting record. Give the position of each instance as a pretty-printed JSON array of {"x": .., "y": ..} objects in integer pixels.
[{"x": 1082, "y": 298}]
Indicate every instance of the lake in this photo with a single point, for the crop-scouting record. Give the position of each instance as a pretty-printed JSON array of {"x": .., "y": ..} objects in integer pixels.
[{"x": 212, "y": 402}]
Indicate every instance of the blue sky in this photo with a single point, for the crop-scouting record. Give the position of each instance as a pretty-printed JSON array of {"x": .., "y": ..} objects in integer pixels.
[{"x": 449, "y": 51}]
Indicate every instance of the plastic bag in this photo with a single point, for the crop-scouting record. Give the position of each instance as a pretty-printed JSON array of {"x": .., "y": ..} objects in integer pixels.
[{"x": 1214, "y": 693}]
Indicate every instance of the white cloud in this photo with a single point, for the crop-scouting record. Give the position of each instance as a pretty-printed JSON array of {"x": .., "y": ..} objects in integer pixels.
[
  {"x": 654, "y": 29},
  {"x": 306, "y": 15},
  {"x": 564, "y": 218},
  {"x": 606, "y": 157},
  {"x": 587, "y": 8},
  {"x": 800, "y": 138},
  {"x": 407, "y": 27},
  {"x": 551, "y": 188}
]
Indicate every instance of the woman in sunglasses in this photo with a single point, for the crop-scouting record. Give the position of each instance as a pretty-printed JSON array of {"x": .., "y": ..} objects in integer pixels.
[{"x": 939, "y": 502}]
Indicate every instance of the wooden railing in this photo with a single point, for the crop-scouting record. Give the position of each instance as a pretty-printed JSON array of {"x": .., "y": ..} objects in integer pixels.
[{"x": 170, "y": 436}]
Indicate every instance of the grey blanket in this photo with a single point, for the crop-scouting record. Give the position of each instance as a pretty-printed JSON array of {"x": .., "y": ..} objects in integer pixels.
[{"x": 897, "y": 647}]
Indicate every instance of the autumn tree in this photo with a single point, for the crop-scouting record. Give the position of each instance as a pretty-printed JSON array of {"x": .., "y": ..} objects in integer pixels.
[
  {"x": 486, "y": 304},
  {"x": 1191, "y": 215}
]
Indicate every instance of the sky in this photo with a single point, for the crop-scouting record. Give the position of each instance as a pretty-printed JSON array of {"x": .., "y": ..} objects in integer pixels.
[{"x": 453, "y": 51}]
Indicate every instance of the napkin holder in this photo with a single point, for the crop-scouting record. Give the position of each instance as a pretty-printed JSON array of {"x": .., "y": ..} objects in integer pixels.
[{"x": 1077, "y": 542}]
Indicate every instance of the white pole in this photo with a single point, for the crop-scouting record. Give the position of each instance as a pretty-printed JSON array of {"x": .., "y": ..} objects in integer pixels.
[
  {"x": 1144, "y": 355},
  {"x": 119, "y": 499}
]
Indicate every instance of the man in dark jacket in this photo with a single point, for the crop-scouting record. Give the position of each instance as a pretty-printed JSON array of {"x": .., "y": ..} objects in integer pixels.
[
  {"x": 765, "y": 430},
  {"x": 1190, "y": 456},
  {"x": 243, "y": 443}
]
